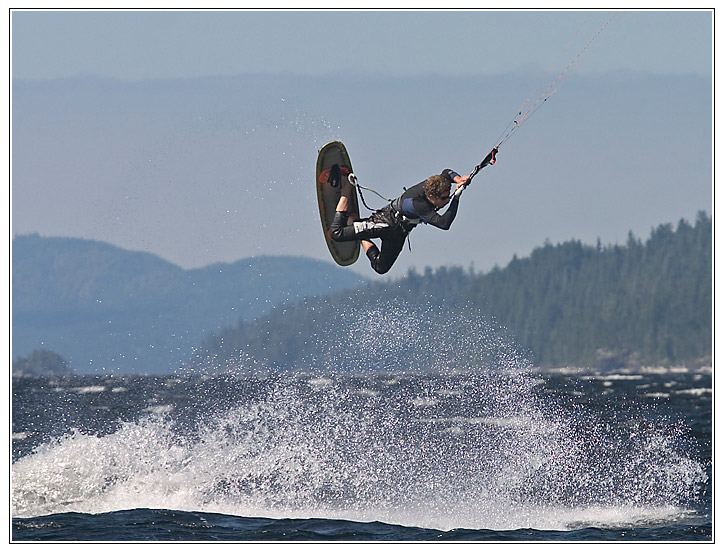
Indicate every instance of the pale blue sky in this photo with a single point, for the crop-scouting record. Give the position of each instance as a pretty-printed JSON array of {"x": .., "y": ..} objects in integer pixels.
[
  {"x": 148, "y": 45},
  {"x": 193, "y": 168}
]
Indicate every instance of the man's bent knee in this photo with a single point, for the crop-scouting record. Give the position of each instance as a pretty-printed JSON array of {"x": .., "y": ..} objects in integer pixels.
[
  {"x": 336, "y": 229},
  {"x": 373, "y": 254}
]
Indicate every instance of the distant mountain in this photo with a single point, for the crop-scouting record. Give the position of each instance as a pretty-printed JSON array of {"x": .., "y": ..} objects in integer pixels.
[
  {"x": 107, "y": 309},
  {"x": 41, "y": 362}
]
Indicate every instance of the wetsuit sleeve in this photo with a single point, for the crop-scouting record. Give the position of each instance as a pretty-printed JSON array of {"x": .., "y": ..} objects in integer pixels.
[
  {"x": 443, "y": 221},
  {"x": 450, "y": 174}
]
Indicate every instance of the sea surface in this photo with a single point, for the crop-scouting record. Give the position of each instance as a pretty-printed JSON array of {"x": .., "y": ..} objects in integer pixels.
[{"x": 497, "y": 455}]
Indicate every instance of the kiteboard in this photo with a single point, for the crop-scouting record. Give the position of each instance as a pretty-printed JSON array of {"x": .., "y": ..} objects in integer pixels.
[{"x": 333, "y": 168}]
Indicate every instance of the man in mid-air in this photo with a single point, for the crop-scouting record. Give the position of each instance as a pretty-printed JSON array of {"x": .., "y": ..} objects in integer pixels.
[{"x": 396, "y": 220}]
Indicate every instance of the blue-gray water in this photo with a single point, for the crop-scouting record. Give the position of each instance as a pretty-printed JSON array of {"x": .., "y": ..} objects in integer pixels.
[{"x": 484, "y": 455}]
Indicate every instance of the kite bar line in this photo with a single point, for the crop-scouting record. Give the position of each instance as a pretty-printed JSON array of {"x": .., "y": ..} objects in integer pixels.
[
  {"x": 352, "y": 178},
  {"x": 529, "y": 108}
]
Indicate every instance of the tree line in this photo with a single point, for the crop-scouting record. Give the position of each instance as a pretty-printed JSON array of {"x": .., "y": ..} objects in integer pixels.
[{"x": 569, "y": 304}]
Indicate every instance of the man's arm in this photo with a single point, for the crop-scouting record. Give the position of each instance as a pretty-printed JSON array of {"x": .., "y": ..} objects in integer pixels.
[{"x": 445, "y": 220}]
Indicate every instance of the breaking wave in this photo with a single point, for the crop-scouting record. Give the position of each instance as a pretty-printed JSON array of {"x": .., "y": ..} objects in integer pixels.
[{"x": 461, "y": 447}]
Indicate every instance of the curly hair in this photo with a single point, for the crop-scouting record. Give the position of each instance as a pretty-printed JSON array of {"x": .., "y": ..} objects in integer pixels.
[{"x": 437, "y": 186}]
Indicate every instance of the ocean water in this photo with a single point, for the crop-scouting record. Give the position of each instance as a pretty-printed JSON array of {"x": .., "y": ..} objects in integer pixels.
[{"x": 502, "y": 453}]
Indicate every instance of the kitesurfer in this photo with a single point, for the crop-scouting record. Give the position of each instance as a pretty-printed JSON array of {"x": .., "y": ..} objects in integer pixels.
[{"x": 392, "y": 223}]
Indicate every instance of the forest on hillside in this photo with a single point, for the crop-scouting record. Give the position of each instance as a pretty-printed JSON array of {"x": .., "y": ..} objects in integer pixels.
[{"x": 569, "y": 304}]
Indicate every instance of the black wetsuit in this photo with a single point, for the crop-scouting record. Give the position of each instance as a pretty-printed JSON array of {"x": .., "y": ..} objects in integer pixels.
[{"x": 394, "y": 222}]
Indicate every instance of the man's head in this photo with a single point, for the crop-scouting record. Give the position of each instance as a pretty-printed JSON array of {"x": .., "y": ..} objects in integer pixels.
[{"x": 437, "y": 190}]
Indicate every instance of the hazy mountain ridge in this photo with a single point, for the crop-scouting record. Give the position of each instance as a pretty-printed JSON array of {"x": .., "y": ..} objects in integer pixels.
[{"x": 103, "y": 307}]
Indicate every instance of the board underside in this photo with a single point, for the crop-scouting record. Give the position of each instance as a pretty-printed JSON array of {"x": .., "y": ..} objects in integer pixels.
[{"x": 328, "y": 194}]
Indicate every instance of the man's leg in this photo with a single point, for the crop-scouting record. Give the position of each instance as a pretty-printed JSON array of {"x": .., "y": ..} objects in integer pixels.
[
  {"x": 382, "y": 260},
  {"x": 366, "y": 245},
  {"x": 374, "y": 226},
  {"x": 338, "y": 230},
  {"x": 342, "y": 204}
]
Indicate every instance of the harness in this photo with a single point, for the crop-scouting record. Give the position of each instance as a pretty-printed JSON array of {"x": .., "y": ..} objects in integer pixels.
[
  {"x": 392, "y": 210},
  {"x": 396, "y": 206}
]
